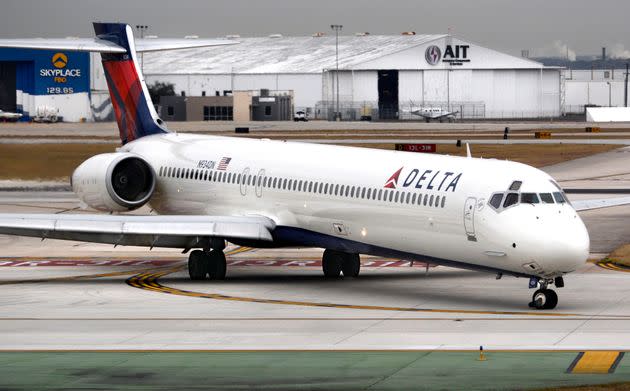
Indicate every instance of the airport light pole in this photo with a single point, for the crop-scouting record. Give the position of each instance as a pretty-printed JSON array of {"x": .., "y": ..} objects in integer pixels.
[
  {"x": 625, "y": 91},
  {"x": 609, "y": 93},
  {"x": 337, "y": 28},
  {"x": 142, "y": 28}
]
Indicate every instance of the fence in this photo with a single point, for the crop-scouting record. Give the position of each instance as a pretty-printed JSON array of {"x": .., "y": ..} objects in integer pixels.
[{"x": 372, "y": 111}]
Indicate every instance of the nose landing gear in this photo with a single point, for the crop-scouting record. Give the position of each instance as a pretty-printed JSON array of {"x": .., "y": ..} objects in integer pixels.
[{"x": 544, "y": 298}]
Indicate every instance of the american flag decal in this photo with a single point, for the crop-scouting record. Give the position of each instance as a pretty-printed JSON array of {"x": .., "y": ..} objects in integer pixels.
[{"x": 224, "y": 163}]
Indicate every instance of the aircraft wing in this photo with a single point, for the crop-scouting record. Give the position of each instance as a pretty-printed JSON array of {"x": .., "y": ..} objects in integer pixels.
[
  {"x": 582, "y": 205},
  {"x": 103, "y": 46},
  {"x": 442, "y": 115},
  {"x": 150, "y": 231}
]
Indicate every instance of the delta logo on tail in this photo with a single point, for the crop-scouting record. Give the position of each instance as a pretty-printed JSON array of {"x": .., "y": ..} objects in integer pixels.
[{"x": 392, "y": 182}]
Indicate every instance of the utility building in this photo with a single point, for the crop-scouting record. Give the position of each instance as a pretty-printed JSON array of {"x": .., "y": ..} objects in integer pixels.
[{"x": 379, "y": 76}]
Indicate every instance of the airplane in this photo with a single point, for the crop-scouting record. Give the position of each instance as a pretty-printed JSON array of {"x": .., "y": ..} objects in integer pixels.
[
  {"x": 500, "y": 217},
  {"x": 432, "y": 113}
]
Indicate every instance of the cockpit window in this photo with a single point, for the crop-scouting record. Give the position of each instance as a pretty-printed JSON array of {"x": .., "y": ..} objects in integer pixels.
[
  {"x": 495, "y": 200},
  {"x": 529, "y": 198},
  {"x": 516, "y": 185},
  {"x": 546, "y": 198},
  {"x": 510, "y": 199},
  {"x": 559, "y": 197}
]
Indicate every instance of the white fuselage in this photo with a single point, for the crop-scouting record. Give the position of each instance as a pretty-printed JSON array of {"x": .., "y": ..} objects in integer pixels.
[{"x": 436, "y": 209}]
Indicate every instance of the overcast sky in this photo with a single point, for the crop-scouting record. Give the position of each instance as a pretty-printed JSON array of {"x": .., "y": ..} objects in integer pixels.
[{"x": 542, "y": 26}]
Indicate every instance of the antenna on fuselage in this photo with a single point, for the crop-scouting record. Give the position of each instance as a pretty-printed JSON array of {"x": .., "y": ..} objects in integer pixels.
[{"x": 468, "y": 154}]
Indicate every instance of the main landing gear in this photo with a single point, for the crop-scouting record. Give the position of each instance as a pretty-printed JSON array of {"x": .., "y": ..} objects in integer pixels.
[
  {"x": 208, "y": 263},
  {"x": 336, "y": 262},
  {"x": 544, "y": 298}
]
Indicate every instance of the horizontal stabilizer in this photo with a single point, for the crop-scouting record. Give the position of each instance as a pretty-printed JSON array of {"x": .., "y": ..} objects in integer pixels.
[
  {"x": 102, "y": 46},
  {"x": 160, "y": 44},
  {"x": 70, "y": 44}
]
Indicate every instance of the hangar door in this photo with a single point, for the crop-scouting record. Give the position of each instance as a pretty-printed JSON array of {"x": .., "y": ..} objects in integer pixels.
[
  {"x": 7, "y": 86},
  {"x": 388, "y": 94}
]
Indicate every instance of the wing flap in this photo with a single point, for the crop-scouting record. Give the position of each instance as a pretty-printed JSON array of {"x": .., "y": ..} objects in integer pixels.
[{"x": 159, "y": 231}]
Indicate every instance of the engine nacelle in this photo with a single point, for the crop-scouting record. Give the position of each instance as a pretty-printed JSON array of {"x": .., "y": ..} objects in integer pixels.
[{"x": 114, "y": 182}]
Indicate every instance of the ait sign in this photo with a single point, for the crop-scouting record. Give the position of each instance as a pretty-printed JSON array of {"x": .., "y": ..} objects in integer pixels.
[{"x": 451, "y": 54}]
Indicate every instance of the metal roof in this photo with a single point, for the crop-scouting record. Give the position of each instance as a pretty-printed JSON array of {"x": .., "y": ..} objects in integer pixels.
[{"x": 281, "y": 54}]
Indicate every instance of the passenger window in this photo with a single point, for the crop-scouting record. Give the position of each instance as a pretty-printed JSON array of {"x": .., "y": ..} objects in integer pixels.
[
  {"x": 413, "y": 200},
  {"x": 559, "y": 198},
  {"x": 347, "y": 191},
  {"x": 396, "y": 197},
  {"x": 495, "y": 200},
  {"x": 546, "y": 198},
  {"x": 443, "y": 201},
  {"x": 510, "y": 199},
  {"x": 408, "y": 197},
  {"x": 437, "y": 201},
  {"x": 391, "y": 195},
  {"x": 380, "y": 194},
  {"x": 431, "y": 200},
  {"x": 160, "y": 173},
  {"x": 516, "y": 185},
  {"x": 529, "y": 198},
  {"x": 426, "y": 199}
]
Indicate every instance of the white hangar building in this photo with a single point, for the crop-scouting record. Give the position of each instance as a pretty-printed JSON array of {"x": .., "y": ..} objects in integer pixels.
[{"x": 384, "y": 76}]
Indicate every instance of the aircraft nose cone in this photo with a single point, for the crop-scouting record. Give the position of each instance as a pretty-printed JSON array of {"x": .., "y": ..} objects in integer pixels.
[{"x": 571, "y": 248}]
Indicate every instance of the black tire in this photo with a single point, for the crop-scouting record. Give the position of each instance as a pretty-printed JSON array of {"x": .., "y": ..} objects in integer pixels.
[
  {"x": 217, "y": 267},
  {"x": 552, "y": 299},
  {"x": 544, "y": 299},
  {"x": 351, "y": 265},
  {"x": 331, "y": 263},
  {"x": 197, "y": 266}
]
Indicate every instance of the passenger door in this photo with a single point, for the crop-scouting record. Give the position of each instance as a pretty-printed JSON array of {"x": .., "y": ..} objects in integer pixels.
[{"x": 469, "y": 218}]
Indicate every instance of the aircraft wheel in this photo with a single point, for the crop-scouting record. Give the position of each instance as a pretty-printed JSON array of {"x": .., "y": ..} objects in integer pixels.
[
  {"x": 331, "y": 263},
  {"x": 217, "y": 266},
  {"x": 351, "y": 265},
  {"x": 544, "y": 299},
  {"x": 197, "y": 266}
]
